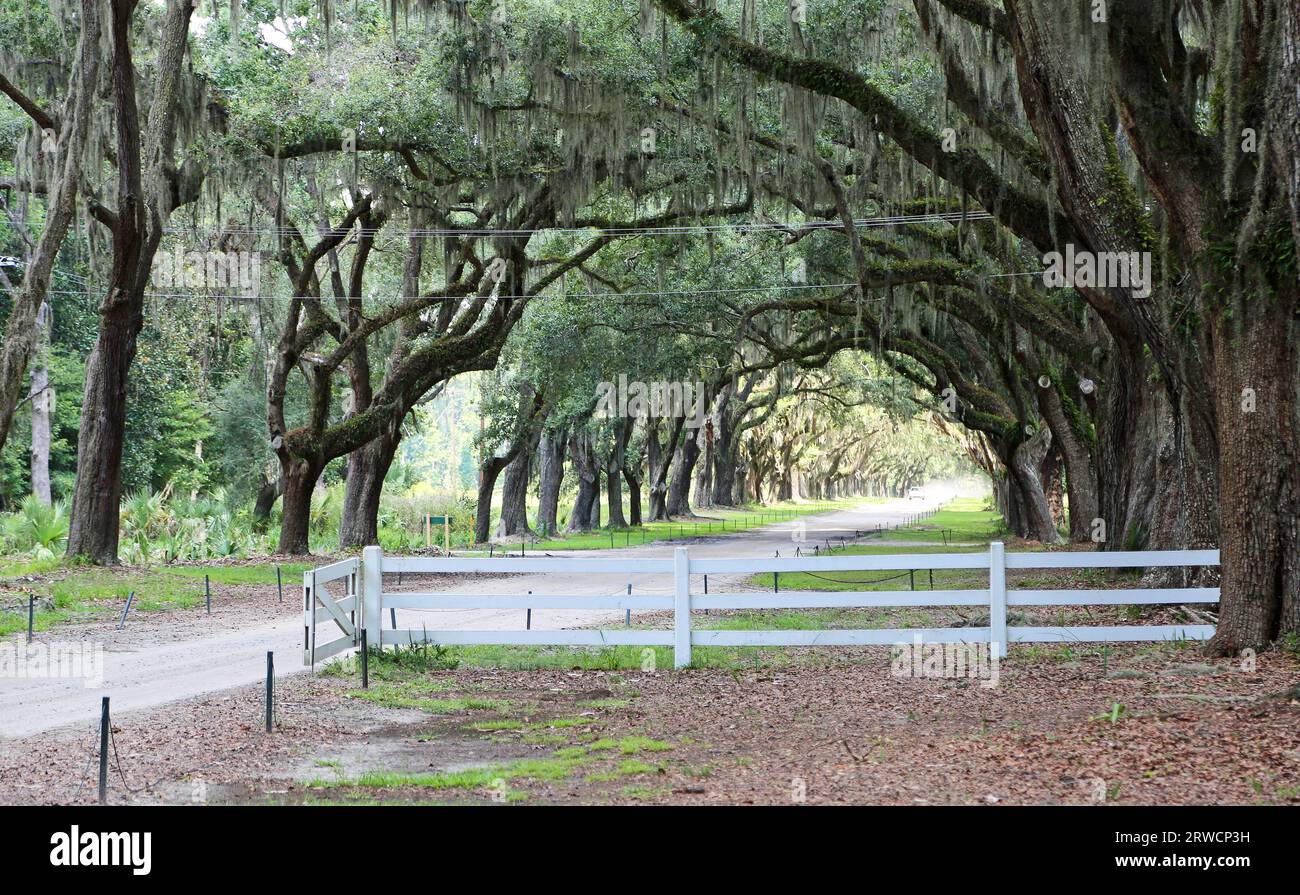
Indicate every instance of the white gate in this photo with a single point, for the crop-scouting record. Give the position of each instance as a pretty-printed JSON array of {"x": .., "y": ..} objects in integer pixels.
[{"x": 320, "y": 606}]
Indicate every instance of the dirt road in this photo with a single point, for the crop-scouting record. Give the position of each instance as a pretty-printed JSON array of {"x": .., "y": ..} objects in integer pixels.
[{"x": 138, "y": 677}]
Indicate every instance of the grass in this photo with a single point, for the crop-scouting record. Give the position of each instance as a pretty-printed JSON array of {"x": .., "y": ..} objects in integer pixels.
[
  {"x": 553, "y": 724},
  {"x": 14, "y": 568},
  {"x": 826, "y": 619},
  {"x": 260, "y": 573},
  {"x": 559, "y": 766},
  {"x": 69, "y": 592},
  {"x": 920, "y": 578},
  {"x": 630, "y": 768},
  {"x": 631, "y": 745},
  {"x": 964, "y": 519},
  {"x": 416, "y": 695},
  {"x": 402, "y": 679}
]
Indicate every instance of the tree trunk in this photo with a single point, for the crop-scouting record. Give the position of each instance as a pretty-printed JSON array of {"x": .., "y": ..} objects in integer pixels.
[
  {"x": 740, "y": 478},
  {"x": 530, "y": 417},
  {"x": 659, "y": 457},
  {"x": 679, "y": 492},
  {"x": 704, "y": 479},
  {"x": 1053, "y": 487},
  {"x": 60, "y": 212},
  {"x": 1257, "y": 363},
  {"x": 593, "y": 521},
  {"x": 613, "y": 475},
  {"x": 299, "y": 477},
  {"x": 267, "y": 494},
  {"x": 633, "y": 496},
  {"x": 1061, "y": 404},
  {"x": 1024, "y": 476},
  {"x": 145, "y": 199},
  {"x": 42, "y": 410},
  {"x": 514, "y": 494},
  {"x": 368, "y": 466},
  {"x": 584, "y": 467},
  {"x": 724, "y": 472},
  {"x": 488, "y": 472},
  {"x": 550, "y": 475},
  {"x": 93, "y": 519},
  {"x": 725, "y": 447},
  {"x": 632, "y": 475}
]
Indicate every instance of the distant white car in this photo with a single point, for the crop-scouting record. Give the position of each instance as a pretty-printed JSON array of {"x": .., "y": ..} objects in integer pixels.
[{"x": 915, "y": 494}]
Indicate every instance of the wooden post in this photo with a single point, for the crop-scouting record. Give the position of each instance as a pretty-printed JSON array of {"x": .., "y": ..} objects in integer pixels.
[
  {"x": 997, "y": 600},
  {"x": 428, "y": 534},
  {"x": 681, "y": 608},
  {"x": 372, "y": 587},
  {"x": 309, "y": 618},
  {"x": 446, "y": 535}
]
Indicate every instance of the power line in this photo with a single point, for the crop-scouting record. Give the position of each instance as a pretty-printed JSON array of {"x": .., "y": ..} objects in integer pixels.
[
  {"x": 946, "y": 217},
  {"x": 242, "y": 297}
]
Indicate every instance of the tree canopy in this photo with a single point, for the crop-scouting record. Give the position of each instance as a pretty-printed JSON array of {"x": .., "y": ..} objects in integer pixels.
[{"x": 880, "y": 241}]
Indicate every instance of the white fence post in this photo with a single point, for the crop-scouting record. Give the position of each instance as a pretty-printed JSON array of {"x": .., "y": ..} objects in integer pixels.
[
  {"x": 309, "y": 618},
  {"x": 372, "y": 588},
  {"x": 681, "y": 608},
  {"x": 997, "y": 600}
]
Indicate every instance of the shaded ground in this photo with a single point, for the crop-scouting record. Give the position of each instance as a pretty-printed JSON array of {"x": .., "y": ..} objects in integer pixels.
[
  {"x": 1136, "y": 724},
  {"x": 1142, "y": 723}
]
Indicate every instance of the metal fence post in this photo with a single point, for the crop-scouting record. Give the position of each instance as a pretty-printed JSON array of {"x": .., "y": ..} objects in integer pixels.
[
  {"x": 105, "y": 731},
  {"x": 681, "y": 608},
  {"x": 372, "y": 589},
  {"x": 997, "y": 600},
  {"x": 365, "y": 661},
  {"x": 270, "y": 689}
]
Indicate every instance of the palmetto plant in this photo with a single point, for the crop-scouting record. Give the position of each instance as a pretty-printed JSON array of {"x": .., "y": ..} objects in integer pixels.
[
  {"x": 326, "y": 506},
  {"x": 44, "y": 526},
  {"x": 145, "y": 516}
]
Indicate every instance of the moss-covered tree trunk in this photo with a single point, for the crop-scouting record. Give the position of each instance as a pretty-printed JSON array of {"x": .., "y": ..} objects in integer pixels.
[
  {"x": 550, "y": 475},
  {"x": 659, "y": 457},
  {"x": 587, "y": 471},
  {"x": 514, "y": 493},
  {"x": 614, "y": 473},
  {"x": 1257, "y": 369},
  {"x": 299, "y": 476},
  {"x": 368, "y": 466},
  {"x": 42, "y": 409},
  {"x": 148, "y": 190},
  {"x": 679, "y": 491},
  {"x": 21, "y": 326}
]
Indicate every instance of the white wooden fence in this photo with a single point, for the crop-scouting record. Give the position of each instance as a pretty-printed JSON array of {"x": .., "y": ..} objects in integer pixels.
[{"x": 376, "y": 602}]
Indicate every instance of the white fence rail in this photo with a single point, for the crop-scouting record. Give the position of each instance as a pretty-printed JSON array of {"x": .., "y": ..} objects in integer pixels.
[{"x": 375, "y": 602}]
